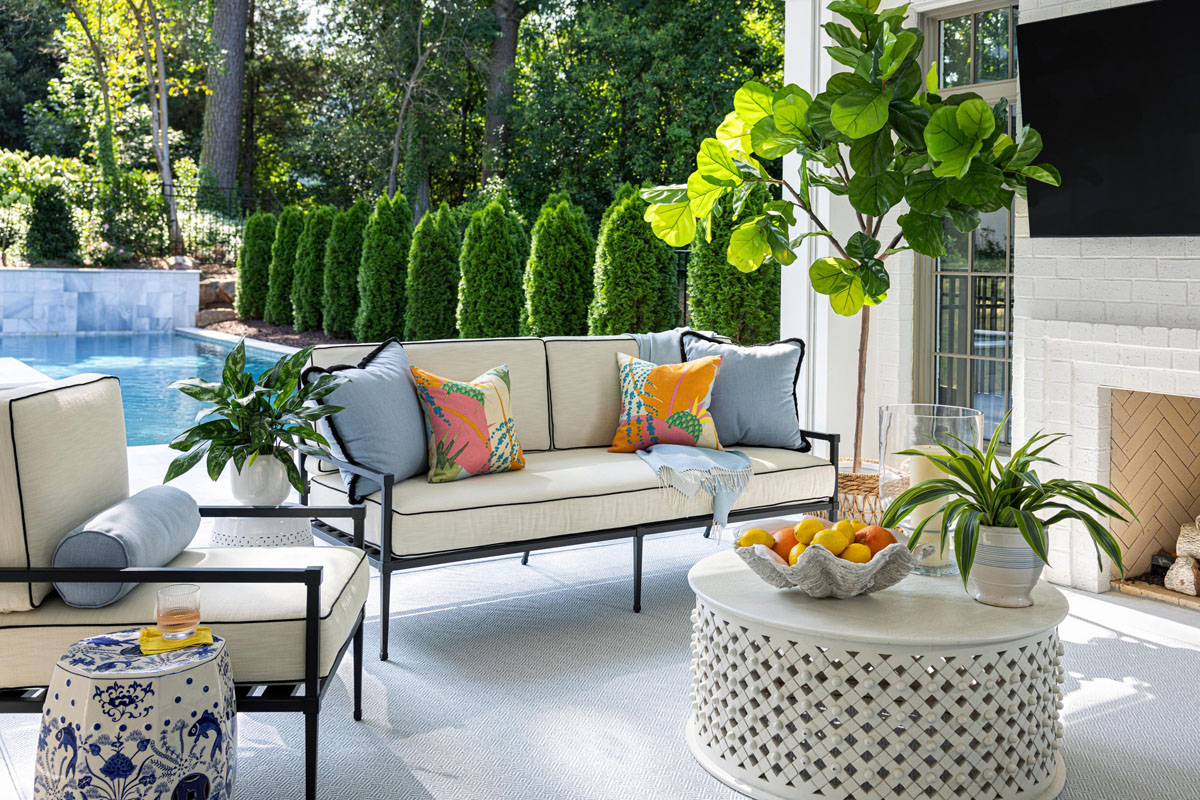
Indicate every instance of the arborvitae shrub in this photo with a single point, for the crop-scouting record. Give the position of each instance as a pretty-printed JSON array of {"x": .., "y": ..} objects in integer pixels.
[
  {"x": 254, "y": 266},
  {"x": 489, "y": 293},
  {"x": 636, "y": 289},
  {"x": 431, "y": 291},
  {"x": 308, "y": 282},
  {"x": 343, "y": 254},
  {"x": 52, "y": 235},
  {"x": 624, "y": 191},
  {"x": 741, "y": 305},
  {"x": 283, "y": 263},
  {"x": 558, "y": 276},
  {"x": 383, "y": 271}
]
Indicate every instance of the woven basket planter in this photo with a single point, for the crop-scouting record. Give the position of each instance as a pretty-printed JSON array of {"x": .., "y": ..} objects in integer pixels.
[{"x": 858, "y": 496}]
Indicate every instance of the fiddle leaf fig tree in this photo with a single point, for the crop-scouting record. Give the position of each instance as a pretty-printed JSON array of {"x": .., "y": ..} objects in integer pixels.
[{"x": 879, "y": 135}]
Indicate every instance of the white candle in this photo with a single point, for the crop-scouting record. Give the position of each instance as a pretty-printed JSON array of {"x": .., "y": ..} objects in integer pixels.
[{"x": 921, "y": 469}]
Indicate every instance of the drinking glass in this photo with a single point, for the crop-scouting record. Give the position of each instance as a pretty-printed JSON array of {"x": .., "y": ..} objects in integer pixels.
[
  {"x": 921, "y": 426},
  {"x": 178, "y": 611}
]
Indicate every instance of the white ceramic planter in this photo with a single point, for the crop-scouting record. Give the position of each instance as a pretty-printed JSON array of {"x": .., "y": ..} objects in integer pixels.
[
  {"x": 1005, "y": 569},
  {"x": 263, "y": 483}
]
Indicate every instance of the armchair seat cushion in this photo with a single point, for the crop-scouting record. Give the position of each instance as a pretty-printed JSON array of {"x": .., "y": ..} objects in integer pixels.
[
  {"x": 262, "y": 623},
  {"x": 561, "y": 492}
]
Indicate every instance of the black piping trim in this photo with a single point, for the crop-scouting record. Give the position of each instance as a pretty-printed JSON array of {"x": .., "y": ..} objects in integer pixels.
[
  {"x": 807, "y": 445},
  {"x": 563, "y": 499},
  {"x": 12, "y": 435},
  {"x": 332, "y": 606}
]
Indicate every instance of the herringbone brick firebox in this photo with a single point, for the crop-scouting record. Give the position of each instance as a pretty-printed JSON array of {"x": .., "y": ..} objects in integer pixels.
[{"x": 1155, "y": 464}]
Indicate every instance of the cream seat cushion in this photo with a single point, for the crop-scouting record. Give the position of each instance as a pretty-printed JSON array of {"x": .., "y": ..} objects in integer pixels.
[
  {"x": 262, "y": 623},
  {"x": 561, "y": 492}
]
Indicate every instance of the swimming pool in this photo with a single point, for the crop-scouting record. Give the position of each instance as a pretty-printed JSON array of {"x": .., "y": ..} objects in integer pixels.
[{"x": 146, "y": 363}]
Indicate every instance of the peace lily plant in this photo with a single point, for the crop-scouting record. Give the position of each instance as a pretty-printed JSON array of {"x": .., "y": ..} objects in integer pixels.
[{"x": 878, "y": 135}]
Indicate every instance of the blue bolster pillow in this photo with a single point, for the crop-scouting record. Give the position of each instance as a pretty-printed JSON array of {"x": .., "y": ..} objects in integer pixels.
[{"x": 148, "y": 529}]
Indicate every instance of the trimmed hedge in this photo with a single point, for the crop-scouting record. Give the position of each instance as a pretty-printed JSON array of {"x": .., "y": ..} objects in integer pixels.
[
  {"x": 741, "y": 305},
  {"x": 254, "y": 266},
  {"x": 636, "y": 288},
  {"x": 343, "y": 254},
  {"x": 489, "y": 294},
  {"x": 383, "y": 271},
  {"x": 52, "y": 235},
  {"x": 558, "y": 276},
  {"x": 308, "y": 280},
  {"x": 283, "y": 264},
  {"x": 431, "y": 289}
]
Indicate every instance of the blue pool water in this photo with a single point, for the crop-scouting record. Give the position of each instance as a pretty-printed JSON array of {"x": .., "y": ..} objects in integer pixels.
[{"x": 145, "y": 363}]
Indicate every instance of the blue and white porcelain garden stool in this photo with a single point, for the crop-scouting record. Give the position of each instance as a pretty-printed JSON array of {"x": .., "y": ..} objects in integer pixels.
[{"x": 117, "y": 725}]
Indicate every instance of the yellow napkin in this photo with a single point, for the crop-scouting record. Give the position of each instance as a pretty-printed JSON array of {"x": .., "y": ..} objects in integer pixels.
[{"x": 152, "y": 641}]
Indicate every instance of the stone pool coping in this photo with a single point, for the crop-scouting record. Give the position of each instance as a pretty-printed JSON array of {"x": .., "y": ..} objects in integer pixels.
[{"x": 229, "y": 339}]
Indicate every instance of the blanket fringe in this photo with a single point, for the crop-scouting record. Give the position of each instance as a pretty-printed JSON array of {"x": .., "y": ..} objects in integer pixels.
[{"x": 683, "y": 486}]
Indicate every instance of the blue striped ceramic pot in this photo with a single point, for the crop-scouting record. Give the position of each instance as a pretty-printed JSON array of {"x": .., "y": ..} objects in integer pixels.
[{"x": 1005, "y": 570}]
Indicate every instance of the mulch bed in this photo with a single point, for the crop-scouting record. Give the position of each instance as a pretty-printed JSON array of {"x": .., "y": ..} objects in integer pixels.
[{"x": 278, "y": 334}]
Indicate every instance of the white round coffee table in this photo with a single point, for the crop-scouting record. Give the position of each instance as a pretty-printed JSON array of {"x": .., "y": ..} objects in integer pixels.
[{"x": 913, "y": 692}]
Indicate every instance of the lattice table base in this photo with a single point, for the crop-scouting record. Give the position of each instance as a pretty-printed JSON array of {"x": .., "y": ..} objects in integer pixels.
[{"x": 781, "y": 715}]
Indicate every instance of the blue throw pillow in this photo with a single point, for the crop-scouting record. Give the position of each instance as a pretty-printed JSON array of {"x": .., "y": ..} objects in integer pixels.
[
  {"x": 146, "y": 530},
  {"x": 754, "y": 397},
  {"x": 381, "y": 425}
]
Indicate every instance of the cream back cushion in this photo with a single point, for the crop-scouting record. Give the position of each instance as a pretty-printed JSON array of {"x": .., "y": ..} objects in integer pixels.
[
  {"x": 585, "y": 392},
  {"x": 62, "y": 460},
  {"x": 467, "y": 359}
]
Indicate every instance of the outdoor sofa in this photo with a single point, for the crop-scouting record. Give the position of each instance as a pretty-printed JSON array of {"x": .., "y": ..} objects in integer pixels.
[
  {"x": 565, "y": 403},
  {"x": 288, "y": 615}
]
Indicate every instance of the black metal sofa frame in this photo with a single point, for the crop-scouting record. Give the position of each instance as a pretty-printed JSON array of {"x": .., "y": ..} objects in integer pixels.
[
  {"x": 382, "y": 557},
  {"x": 304, "y": 696}
]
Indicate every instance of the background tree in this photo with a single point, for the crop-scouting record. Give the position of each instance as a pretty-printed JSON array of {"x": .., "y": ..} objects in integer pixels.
[
  {"x": 52, "y": 235},
  {"x": 384, "y": 270},
  {"x": 27, "y": 64},
  {"x": 343, "y": 254},
  {"x": 431, "y": 290},
  {"x": 636, "y": 289},
  {"x": 223, "y": 106},
  {"x": 308, "y": 279},
  {"x": 742, "y": 305},
  {"x": 254, "y": 266},
  {"x": 558, "y": 276},
  {"x": 489, "y": 291},
  {"x": 501, "y": 64},
  {"x": 278, "y": 309}
]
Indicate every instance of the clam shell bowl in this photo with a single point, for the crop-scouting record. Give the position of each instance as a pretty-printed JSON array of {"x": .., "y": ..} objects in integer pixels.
[{"x": 819, "y": 573}]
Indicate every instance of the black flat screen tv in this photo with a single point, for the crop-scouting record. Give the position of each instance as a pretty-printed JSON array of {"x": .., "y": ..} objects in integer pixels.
[{"x": 1114, "y": 95}]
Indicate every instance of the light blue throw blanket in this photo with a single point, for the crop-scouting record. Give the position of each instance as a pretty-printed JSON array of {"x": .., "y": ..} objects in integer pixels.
[
  {"x": 683, "y": 471},
  {"x": 661, "y": 347}
]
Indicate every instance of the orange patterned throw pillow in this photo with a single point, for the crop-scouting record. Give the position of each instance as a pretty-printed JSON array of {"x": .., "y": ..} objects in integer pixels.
[
  {"x": 665, "y": 404},
  {"x": 469, "y": 425}
]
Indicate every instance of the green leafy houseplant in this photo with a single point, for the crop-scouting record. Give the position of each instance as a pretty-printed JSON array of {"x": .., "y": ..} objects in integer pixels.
[
  {"x": 981, "y": 490},
  {"x": 268, "y": 416},
  {"x": 878, "y": 135}
]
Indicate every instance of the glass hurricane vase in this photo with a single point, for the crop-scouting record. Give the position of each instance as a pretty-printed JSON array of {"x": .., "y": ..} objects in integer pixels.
[{"x": 921, "y": 426}]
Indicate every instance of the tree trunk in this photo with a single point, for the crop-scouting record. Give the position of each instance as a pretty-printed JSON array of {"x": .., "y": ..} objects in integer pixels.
[
  {"x": 223, "y": 107},
  {"x": 503, "y": 58},
  {"x": 863, "y": 339},
  {"x": 248, "y": 157}
]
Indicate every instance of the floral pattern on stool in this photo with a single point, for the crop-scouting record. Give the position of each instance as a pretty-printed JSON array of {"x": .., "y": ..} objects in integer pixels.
[
  {"x": 665, "y": 404},
  {"x": 117, "y": 725}
]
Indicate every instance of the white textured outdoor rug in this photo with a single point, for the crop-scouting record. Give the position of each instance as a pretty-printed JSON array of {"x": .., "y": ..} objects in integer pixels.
[{"x": 539, "y": 682}]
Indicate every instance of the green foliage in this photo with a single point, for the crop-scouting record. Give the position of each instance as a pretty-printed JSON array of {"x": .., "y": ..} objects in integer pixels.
[
  {"x": 308, "y": 278},
  {"x": 254, "y": 266},
  {"x": 265, "y": 417},
  {"x": 489, "y": 291},
  {"x": 431, "y": 290},
  {"x": 283, "y": 265},
  {"x": 343, "y": 255},
  {"x": 558, "y": 275},
  {"x": 877, "y": 135},
  {"x": 741, "y": 305},
  {"x": 27, "y": 63},
  {"x": 383, "y": 271},
  {"x": 52, "y": 235},
  {"x": 980, "y": 489},
  {"x": 636, "y": 289}
]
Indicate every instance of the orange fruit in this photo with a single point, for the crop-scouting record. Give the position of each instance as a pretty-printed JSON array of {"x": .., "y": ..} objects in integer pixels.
[
  {"x": 875, "y": 538},
  {"x": 785, "y": 540},
  {"x": 794, "y": 554}
]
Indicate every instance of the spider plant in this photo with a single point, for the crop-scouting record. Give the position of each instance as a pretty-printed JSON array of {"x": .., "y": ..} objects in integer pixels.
[
  {"x": 270, "y": 416},
  {"x": 980, "y": 489}
]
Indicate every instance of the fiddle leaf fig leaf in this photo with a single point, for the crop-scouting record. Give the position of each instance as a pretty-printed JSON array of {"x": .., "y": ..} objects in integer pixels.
[
  {"x": 909, "y": 121},
  {"x": 862, "y": 111},
  {"x": 702, "y": 194},
  {"x": 924, "y": 233},
  {"x": 714, "y": 163},
  {"x": 768, "y": 142},
  {"x": 791, "y": 111},
  {"x": 927, "y": 192},
  {"x": 875, "y": 194},
  {"x": 819, "y": 120},
  {"x": 675, "y": 193},
  {"x": 875, "y": 279},
  {"x": 752, "y": 102},
  {"x": 836, "y": 278},
  {"x": 1044, "y": 173},
  {"x": 844, "y": 55},
  {"x": 872, "y": 154},
  {"x": 734, "y": 133},
  {"x": 861, "y": 246},
  {"x": 979, "y": 186},
  {"x": 748, "y": 246},
  {"x": 1028, "y": 147},
  {"x": 931, "y": 79},
  {"x": 965, "y": 219},
  {"x": 842, "y": 35},
  {"x": 974, "y": 118},
  {"x": 674, "y": 223}
]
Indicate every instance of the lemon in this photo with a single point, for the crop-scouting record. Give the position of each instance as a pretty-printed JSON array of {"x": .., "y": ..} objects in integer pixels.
[
  {"x": 846, "y": 528},
  {"x": 755, "y": 536},
  {"x": 858, "y": 524},
  {"x": 858, "y": 553},
  {"x": 807, "y": 528},
  {"x": 794, "y": 555},
  {"x": 832, "y": 540}
]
